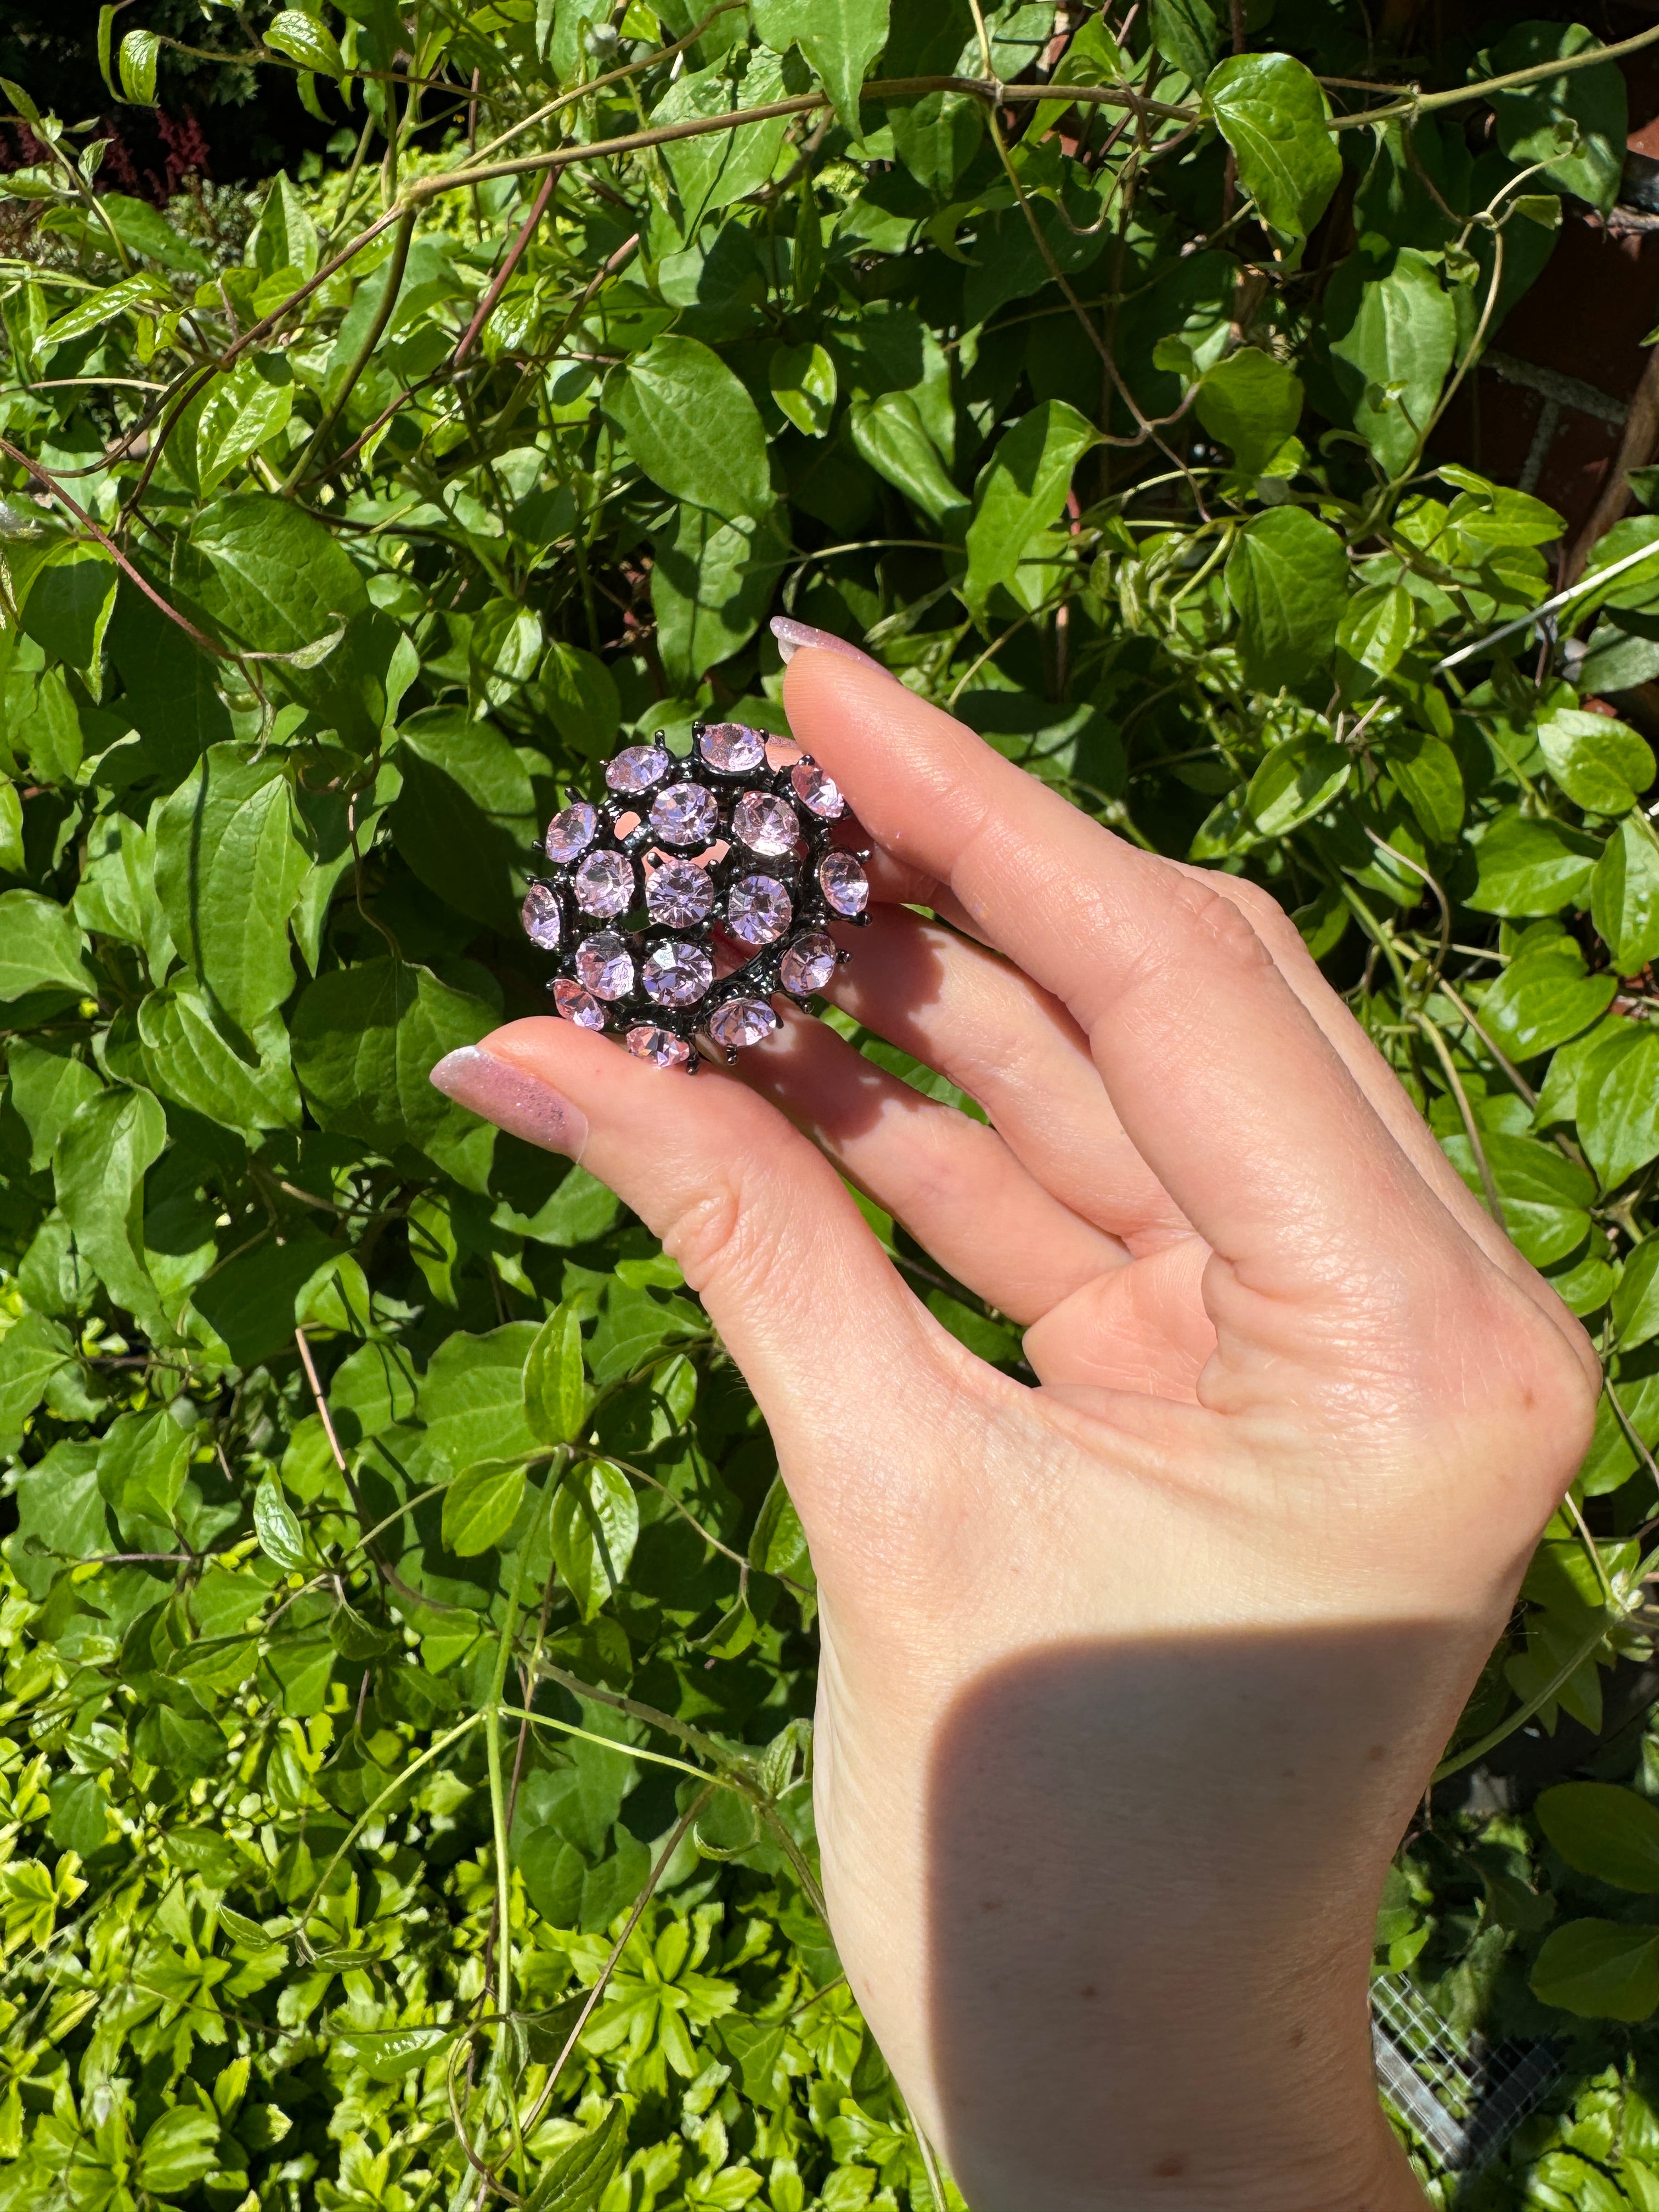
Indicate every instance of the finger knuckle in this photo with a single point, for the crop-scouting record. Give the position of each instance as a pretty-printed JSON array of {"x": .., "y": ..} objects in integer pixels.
[{"x": 709, "y": 1236}]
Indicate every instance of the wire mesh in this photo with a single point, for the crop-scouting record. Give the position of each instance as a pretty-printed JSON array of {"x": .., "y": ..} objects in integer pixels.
[{"x": 1461, "y": 2095}]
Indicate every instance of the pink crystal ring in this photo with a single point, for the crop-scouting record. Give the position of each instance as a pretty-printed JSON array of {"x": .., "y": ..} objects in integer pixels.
[{"x": 680, "y": 857}]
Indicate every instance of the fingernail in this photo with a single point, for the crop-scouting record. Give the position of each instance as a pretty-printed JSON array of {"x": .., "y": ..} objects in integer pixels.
[
  {"x": 521, "y": 1104},
  {"x": 792, "y": 636}
]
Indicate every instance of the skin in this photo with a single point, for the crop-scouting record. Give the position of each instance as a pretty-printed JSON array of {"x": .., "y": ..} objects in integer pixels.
[{"x": 1132, "y": 1680}]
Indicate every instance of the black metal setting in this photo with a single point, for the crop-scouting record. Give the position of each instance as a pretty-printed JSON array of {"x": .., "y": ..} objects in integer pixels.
[{"x": 675, "y": 1034}]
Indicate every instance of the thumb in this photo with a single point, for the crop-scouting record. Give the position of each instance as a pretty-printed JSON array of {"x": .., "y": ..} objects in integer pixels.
[{"x": 842, "y": 1358}]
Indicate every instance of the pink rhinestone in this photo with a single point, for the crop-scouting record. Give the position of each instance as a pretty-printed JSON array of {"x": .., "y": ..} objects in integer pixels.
[
  {"x": 809, "y": 963},
  {"x": 820, "y": 794},
  {"x": 757, "y": 910},
  {"x": 680, "y": 894},
  {"x": 676, "y": 975},
  {"x": 684, "y": 814},
  {"x": 578, "y": 1005},
  {"x": 660, "y": 1047},
  {"x": 605, "y": 965},
  {"x": 604, "y": 884},
  {"x": 571, "y": 832},
  {"x": 765, "y": 825},
  {"x": 540, "y": 916},
  {"x": 732, "y": 745},
  {"x": 637, "y": 768},
  {"x": 740, "y": 1021},
  {"x": 843, "y": 883}
]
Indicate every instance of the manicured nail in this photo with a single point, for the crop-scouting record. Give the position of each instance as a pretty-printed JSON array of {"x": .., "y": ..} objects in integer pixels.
[
  {"x": 792, "y": 636},
  {"x": 521, "y": 1104}
]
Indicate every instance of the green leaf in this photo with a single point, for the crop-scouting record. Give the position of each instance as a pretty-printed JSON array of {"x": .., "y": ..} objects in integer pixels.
[
  {"x": 1530, "y": 866},
  {"x": 183, "y": 2145},
  {"x": 1604, "y": 1831},
  {"x": 139, "y": 50},
  {"x": 285, "y": 237},
  {"x": 472, "y": 1401},
  {"x": 1270, "y": 110},
  {"x": 275, "y": 1524},
  {"x": 1424, "y": 769},
  {"x": 31, "y": 1353},
  {"x": 1619, "y": 1108},
  {"x": 1546, "y": 1197},
  {"x": 1393, "y": 341},
  {"x": 802, "y": 379},
  {"x": 596, "y": 1523},
  {"x": 555, "y": 1387},
  {"x": 269, "y": 577},
  {"x": 98, "y": 1166},
  {"x": 1543, "y": 998},
  {"x": 48, "y": 1082},
  {"x": 230, "y": 419},
  {"x": 578, "y": 2174},
  {"x": 1636, "y": 1301},
  {"x": 144, "y": 230},
  {"x": 1575, "y": 124},
  {"x": 39, "y": 947},
  {"x": 579, "y": 693},
  {"x": 364, "y": 1039},
  {"x": 839, "y": 38},
  {"x": 69, "y": 604},
  {"x": 189, "y": 1059},
  {"x": 229, "y": 864},
  {"x": 387, "y": 2054},
  {"x": 1295, "y": 781},
  {"x": 305, "y": 40},
  {"x": 1600, "y": 1969},
  {"x": 711, "y": 583},
  {"x": 249, "y": 1302},
  {"x": 97, "y": 309},
  {"x": 1287, "y": 578},
  {"x": 1603, "y": 766},
  {"x": 142, "y": 1460},
  {"x": 481, "y": 1506},
  {"x": 693, "y": 428},
  {"x": 465, "y": 818},
  {"x": 1252, "y": 403},
  {"x": 1625, "y": 895},
  {"x": 889, "y": 433},
  {"x": 711, "y": 171},
  {"x": 1021, "y": 491},
  {"x": 1187, "y": 34}
]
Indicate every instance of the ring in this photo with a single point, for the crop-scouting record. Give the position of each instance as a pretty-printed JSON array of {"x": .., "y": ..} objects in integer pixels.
[{"x": 685, "y": 869}]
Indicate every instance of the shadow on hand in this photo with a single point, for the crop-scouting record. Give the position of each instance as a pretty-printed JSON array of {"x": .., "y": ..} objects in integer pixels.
[{"x": 1156, "y": 1866}]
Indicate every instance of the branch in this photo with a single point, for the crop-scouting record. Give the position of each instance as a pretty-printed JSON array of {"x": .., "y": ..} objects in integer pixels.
[
  {"x": 503, "y": 277},
  {"x": 372, "y": 337},
  {"x": 133, "y": 574},
  {"x": 1413, "y": 102}
]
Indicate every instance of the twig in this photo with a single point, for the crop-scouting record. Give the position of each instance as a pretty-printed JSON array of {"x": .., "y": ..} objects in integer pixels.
[
  {"x": 372, "y": 337},
  {"x": 503, "y": 275}
]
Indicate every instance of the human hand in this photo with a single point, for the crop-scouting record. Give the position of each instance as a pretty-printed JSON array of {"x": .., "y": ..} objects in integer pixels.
[{"x": 1130, "y": 1681}]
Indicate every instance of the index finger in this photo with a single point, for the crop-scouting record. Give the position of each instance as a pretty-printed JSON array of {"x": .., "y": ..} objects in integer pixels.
[{"x": 1225, "y": 1083}]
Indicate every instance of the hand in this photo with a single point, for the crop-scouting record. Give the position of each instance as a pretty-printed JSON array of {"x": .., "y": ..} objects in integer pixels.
[{"x": 1132, "y": 1680}]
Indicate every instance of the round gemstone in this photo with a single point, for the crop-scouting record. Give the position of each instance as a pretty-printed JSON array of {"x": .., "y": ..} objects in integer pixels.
[
  {"x": 637, "y": 768},
  {"x": 819, "y": 793},
  {"x": 730, "y": 746},
  {"x": 676, "y": 975},
  {"x": 684, "y": 814},
  {"x": 680, "y": 894},
  {"x": 740, "y": 1021},
  {"x": 571, "y": 832},
  {"x": 809, "y": 963},
  {"x": 843, "y": 883},
  {"x": 660, "y": 1047},
  {"x": 765, "y": 825},
  {"x": 578, "y": 1005},
  {"x": 540, "y": 916},
  {"x": 757, "y": 910},
  {"x": 604, "y": 884},
  {"x": 606, "y": 966}
]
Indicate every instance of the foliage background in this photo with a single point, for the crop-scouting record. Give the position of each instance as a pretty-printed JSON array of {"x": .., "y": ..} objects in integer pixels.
[{"x": 408, "y": 1651}]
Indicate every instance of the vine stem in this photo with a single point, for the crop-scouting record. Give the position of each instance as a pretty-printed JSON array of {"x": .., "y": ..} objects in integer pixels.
[
  {"x": 361, "y": 359},
  {"x": 498, "y": 1790},
  {"x": 1488, "y": 1182}
]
